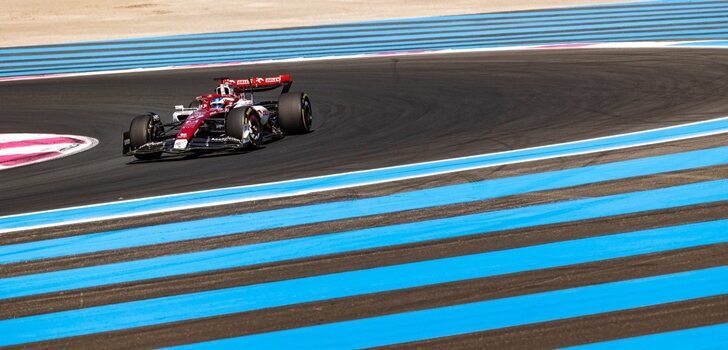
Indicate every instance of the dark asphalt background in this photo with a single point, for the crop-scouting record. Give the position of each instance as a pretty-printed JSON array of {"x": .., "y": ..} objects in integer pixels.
[
  {"x": 372, "y": 113},
  {"x": 368, "y": 113}
]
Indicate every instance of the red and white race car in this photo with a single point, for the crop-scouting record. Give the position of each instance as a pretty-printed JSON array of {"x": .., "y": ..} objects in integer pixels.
[{"x": 229, "y": 119}]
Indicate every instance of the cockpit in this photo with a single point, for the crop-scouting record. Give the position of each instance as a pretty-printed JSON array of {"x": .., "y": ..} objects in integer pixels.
[{"x": 224, "y": 89}]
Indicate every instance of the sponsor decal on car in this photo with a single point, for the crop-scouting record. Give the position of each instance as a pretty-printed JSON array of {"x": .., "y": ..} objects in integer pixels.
[{"x": 180, "y": 144}]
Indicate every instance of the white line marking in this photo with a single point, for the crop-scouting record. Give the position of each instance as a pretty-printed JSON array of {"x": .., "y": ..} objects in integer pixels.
[
  {"x": 637, "y": 44},
  {"x": 366, "y": 183},
  {"x": 360, "y": 56}
]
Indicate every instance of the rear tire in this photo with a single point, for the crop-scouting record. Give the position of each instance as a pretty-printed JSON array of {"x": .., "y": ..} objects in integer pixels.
[
  {"x": 294, "y": 113},
  {"x": 236, "y": 121},
  {"x": 141, "y": 132}
]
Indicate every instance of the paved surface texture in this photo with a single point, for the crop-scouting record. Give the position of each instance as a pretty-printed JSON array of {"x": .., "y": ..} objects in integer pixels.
[
  {"x": 652, "y": 23},
  {"x": 542, "y": 252},
  {"x": 411, "y": 109},
  {"x": 373, "y": 113}
]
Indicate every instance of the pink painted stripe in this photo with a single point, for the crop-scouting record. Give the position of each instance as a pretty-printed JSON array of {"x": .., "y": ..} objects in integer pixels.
[
  {"x": 20, "y": 159},
  {"x": 35, "y": 142}
]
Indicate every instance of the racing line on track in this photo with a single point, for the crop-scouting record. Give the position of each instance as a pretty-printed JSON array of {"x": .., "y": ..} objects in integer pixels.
[{"x": 617, "y": 241}]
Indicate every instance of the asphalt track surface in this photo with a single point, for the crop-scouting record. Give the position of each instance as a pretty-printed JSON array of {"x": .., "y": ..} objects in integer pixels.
[
  {"x": 372, "y": 113},
  {"x": 368, "y": 113}
]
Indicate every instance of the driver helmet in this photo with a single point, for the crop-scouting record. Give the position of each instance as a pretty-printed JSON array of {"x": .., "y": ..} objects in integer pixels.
[
  {"x": 217, "y": 103},
  {"x": 224, "y": 89}
]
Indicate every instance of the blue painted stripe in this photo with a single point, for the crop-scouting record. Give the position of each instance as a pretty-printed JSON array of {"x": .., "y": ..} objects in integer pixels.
[
  {"x": 431, "y": 197},
  {"x": 706, "y": 43},
  {"x": 288, "y": 188},
  {"x": 489, "y": 315},
  {"x": 667, "y": 22},
  {"x": 561, "y": 304},
  {"x": 365, "y": 46},
  {"x": 277, "y": 251},
  {"x": 403, "y": 47},
  {"x": 319, "y": 53},
  {"x": 708, "y": 337},
  {"x": 347, "y": 48},
  {"x": 438, "y": 46},
  {"x": 342, "y": 50},
  {"x": 620, "y": 23},
  {"x": 583, "y": 13},
  {"x": 485, "y": 38}
]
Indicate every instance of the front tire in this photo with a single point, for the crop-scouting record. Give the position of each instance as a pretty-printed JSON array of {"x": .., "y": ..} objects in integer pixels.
[
  {"x": 244, "y": 124},
  {"x": 294, "y": 113},
  {"x": 142, "y": 131}
]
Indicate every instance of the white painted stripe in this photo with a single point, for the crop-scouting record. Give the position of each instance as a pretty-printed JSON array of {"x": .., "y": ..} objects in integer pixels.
[
  {"x": 58, "y": 147},
  {"x": 64, "y": 149},
  {"x": 359, "y": 184},
  {"x": 360, "y": 56},
  {"x": 625, "y": 45},
  {"x": 26, "y": 136}
]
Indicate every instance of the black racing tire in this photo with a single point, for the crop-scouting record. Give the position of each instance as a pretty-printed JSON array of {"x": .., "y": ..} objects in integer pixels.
[
  {"x": 294, "y": 113},
  {"x": 194, "y": 104},
  {"x": 235, "y": 121},
  {"x": 141, "y": 132}
]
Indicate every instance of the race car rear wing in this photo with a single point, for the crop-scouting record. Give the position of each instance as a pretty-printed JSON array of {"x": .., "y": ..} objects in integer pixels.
[{"x": 255, "y": 84}]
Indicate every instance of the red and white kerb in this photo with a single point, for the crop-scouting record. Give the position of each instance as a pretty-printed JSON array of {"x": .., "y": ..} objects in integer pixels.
[{"x": 25, "y": 149}]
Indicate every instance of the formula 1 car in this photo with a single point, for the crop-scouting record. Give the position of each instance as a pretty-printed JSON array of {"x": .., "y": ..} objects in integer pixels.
[{"x": 229, "y": 119}]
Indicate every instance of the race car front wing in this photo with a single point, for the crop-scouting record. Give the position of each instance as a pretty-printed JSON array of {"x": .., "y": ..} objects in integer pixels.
[{"x": 173, "y": 146}]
